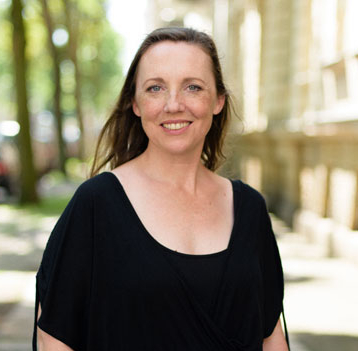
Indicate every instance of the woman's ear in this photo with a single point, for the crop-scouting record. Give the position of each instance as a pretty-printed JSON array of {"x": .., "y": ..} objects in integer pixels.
[
  {"x": 135, "y": 108},
  {"x": 219, "y": 104}
]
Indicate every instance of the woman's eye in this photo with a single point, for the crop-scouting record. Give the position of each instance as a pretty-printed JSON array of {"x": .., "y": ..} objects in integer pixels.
[
  {"x": 193, "y": 87},
  {"x": 154, "y": 88}
]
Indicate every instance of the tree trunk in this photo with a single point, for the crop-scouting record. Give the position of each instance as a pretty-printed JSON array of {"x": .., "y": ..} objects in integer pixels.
[
  {"x": 57, "y": 81},
  {"x": 27, "y": 169},
  {"x": 72, "y": 27}
]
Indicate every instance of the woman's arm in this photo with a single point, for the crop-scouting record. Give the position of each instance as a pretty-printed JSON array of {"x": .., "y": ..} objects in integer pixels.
[
  {"x": 276, "y": 341},
  {"x": 46, "y": 342}
]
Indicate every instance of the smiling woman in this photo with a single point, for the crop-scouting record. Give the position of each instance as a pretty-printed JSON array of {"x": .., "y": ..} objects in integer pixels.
[
  {"x": 161, "y": 253},
  {"x": 176, "y": 96},
  {"x": 123, "y": 137}
]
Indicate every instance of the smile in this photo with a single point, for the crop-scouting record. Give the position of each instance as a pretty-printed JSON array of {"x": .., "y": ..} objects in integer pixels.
[{"x": 175, "y": 126}]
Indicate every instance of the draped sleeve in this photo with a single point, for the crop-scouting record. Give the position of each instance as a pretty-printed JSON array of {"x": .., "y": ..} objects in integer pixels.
[
  {"x": 63, "y": 281},
  {"x": 272, "y": 275}
]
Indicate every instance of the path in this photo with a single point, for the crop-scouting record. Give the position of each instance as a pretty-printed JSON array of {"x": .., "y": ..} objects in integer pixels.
[{"x": 321, "y": 296}]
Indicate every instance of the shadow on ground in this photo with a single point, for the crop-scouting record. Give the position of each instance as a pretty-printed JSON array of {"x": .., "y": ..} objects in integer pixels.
[
  {"x": 18, "y": 329},
  {"x": 5, "y": 309},
  {"x": 290, "y": 278},
  {"x": 26, "y": 263},
  {"x": 322, "y": 342}
]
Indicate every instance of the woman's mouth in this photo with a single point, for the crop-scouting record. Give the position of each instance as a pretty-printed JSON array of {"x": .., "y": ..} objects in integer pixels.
[{"x": 175, "y": 126}]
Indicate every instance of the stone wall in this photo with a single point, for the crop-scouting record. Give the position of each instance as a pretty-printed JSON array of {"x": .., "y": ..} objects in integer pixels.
[{"x": 292, "y": 66}]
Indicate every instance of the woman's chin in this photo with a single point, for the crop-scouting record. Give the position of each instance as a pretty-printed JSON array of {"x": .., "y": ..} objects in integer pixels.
[{"x": 177, "y": 149}]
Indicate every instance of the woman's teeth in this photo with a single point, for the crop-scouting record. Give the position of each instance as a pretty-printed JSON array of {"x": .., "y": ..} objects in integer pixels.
[{"x": 174, "y": 126}]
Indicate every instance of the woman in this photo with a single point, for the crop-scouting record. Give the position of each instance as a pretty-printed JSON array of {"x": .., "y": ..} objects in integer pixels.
[{"x": 161, "y": 253}]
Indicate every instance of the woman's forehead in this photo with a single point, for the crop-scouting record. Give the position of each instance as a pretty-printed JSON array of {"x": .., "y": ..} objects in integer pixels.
[
  {"x": 169, "y": 46},
  {"x": 172, "y": 56}
]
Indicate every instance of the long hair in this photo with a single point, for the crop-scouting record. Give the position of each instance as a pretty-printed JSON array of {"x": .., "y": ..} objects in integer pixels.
[{"x": 122, "y": 138}]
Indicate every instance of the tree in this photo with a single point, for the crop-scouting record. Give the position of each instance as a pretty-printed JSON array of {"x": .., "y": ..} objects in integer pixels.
[
  {"x": 99, "y": 74},
  {"x": 72, "y": 24},
  {"x": 57, "y": 85},
  {"x": 27, "y": 173}
]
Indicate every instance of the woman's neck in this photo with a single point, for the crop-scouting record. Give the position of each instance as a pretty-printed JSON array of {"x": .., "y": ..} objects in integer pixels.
[{"x": 180, "y": 171}]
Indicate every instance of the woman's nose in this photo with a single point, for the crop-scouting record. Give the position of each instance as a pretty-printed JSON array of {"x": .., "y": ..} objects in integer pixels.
[{"x": 174, "y": 104}]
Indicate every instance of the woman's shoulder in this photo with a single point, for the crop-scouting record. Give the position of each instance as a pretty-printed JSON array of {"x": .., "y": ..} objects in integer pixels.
[
  {"x": 248, "y": 192},
  {"x": 95, "y": 187},
  {"x": 96, "y": 183}
]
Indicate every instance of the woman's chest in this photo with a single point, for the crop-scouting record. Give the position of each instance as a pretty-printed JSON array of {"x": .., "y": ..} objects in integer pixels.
[{"x": 194, "y": 226}]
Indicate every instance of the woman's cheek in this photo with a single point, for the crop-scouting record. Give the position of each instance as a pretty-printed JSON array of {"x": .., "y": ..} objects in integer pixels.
[
  {"x": 146, "y": 106},
  {"x": 201, "y": 107},
  {"x": 154, "y": 108}
]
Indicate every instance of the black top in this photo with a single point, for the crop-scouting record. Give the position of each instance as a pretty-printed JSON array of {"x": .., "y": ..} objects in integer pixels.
[
  {"x": 202, "y": 273},
  {"x": 105, "y": 284}
]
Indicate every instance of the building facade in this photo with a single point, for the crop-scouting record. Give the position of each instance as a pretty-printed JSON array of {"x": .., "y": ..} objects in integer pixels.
[{"x": 293, "y": 67}]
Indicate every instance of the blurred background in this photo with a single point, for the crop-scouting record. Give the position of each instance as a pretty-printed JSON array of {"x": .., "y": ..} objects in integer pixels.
[{"x": 292, "y": 66}]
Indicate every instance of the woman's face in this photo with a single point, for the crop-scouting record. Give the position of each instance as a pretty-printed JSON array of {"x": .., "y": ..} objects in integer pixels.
[{"x": 176, "y": 96}]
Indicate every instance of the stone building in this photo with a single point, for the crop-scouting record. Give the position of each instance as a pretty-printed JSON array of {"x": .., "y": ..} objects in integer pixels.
[{"x": 293, "y": 68}]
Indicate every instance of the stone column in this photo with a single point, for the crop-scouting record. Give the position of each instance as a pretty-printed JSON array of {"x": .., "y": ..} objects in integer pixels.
[{"x": 276, "y": 16}]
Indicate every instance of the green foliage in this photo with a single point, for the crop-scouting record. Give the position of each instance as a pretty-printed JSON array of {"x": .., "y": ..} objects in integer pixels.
[
  {"x": 6, "y": 69},
  {"x": 101, "y": 72},
  {"x": 40, "y": 81},
  {"x": 98, "y": 56},
  {"x": 48, "y": 206},
  {"x": 76, "y": 169}
]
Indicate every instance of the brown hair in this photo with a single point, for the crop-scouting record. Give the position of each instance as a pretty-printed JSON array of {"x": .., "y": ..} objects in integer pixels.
[{"x": 122, "y": 137}]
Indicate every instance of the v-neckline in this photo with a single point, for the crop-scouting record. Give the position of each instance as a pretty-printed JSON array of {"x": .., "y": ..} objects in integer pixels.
[{"x": 235, "y": 199}]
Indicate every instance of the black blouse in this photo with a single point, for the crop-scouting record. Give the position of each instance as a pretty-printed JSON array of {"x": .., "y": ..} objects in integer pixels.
[
  {"x": 202, "y": 273},
  {"x": 105, "y": 283}
]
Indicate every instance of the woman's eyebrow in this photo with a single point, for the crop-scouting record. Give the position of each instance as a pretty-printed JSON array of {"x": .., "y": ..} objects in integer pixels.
[
  {"x": 155, "y": 79},
  {"x": 161, "y": 80},
  {"x": 189, "y": 79}
]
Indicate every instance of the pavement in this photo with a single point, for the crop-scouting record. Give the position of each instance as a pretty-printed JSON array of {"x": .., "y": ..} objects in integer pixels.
[
  {"x": 23, "y": 236},
  {"x": 321, "y": 294}
]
